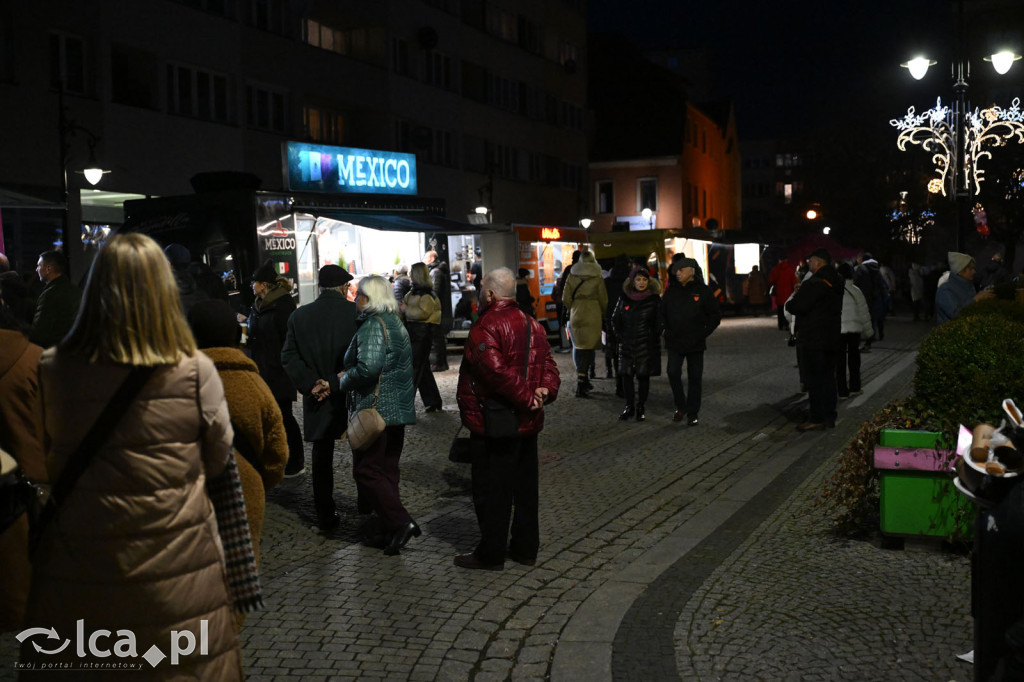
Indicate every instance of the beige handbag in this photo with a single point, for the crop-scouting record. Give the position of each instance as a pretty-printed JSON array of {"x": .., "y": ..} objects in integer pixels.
[{"x": 364, "y": 426}]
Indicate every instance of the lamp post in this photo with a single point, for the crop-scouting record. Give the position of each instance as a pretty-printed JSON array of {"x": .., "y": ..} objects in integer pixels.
[
  {"x": 648, "y": 215},
  {"x": 958, "y": 138},
  {"x": 66, "y": 130}
]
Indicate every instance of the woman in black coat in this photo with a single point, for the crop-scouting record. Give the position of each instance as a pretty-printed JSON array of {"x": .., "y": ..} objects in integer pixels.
[{"x": 637, "y": 324}]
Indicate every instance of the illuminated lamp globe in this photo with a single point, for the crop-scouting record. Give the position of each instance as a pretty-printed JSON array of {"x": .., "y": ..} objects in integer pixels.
[
  {"x": 646, "y": 213},
  {"x": 918, "y": 66},
  {"x": 93, "y": 175},
  {"x": 811, "y": 214},
  {"x": 586, "y": 222},
  {"x": 481, "y": 210},
  {"x": 1002, "y": 61},
  {"x": 826, "y": 230}
]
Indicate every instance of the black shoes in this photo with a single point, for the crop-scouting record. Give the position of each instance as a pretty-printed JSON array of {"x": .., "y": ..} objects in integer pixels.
[
  {"x": 522, "y": 560},
  {"x": 401, "y": 538},
  {"x": 691, "y": 420},
  {"x": 678, "y": 416},
  {"x": 329, "y": 522},
  {"x": 433, "y": 408},
  {"x": 627, "y": 413},
  {"x": 471, "y": 562},
  {"x": 291, "y": 470},
  {"x": 641, "y": 416}
]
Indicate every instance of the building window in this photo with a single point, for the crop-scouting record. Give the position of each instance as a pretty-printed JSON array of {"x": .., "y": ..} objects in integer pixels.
[
  {"x": 787, "y": 193},
  {"x": 323, "y": 125},
  {"x": 606, "y": 196},
  {"x": 325, "y": 37},
  {"x": 439, "y": 70},
  {"x": 401, "y": 57},
  {"x": 572, "y": 175},
  {"x": 133, "y": 76},
  {"x": 197, "y": 92},
  {"x": 704, "y": 141},
  {"x": 504, "y": 160},
  {"x": 647, "y": 194},
  {"x": 266, "y": 109},
  {"x": 266, "y": 14},
  {"x": 568, "y": 53},
  {"x": 67, "y": 63},
  {"x": 503, "y": 93}
]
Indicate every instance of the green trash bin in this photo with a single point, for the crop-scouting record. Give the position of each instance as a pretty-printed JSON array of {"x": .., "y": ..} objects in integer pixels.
[{"x": 916, "y": 492}]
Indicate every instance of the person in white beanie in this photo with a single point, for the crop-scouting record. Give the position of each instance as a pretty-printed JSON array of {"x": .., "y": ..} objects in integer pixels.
[{"x": 958, "y": 291}]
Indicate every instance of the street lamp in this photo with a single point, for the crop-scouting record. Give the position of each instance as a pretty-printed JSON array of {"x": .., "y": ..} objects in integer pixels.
[
  {"x": 958, "y": 138},
  {"x": 586, "y": 223},
  {"x": 649, "y": 217}
]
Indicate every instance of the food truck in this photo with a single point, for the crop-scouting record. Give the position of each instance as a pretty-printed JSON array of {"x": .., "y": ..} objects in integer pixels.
[
  {"x": 542, "y": 250},
  {"x": 724, "y": 263},
  {"x": 352, "y": 207}
]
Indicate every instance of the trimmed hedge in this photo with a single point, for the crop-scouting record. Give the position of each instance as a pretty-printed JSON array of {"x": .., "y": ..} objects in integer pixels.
[{"x": 967, "y": 366}]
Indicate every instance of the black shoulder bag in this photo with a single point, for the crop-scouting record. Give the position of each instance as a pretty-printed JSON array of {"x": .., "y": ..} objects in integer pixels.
[
  {"x": 500, "y": 418},
  {"x": 77, "y": 463}
]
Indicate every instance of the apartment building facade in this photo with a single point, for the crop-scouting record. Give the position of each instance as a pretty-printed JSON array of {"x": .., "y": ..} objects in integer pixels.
[{"x": 490, "y": 95}]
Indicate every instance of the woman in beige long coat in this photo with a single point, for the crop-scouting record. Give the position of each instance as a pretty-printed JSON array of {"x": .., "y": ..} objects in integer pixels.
[
  {"x": 586, "y": 297},
  {"x": 134, "y": 548}
]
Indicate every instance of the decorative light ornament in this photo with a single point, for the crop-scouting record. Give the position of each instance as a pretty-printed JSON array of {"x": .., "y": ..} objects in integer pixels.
[
  {"x": 1002, "y": 61},
  {"x": 935, "y": 186},
  {"x": 935, "y": 130},
  {"x": 918, "y": 66}
]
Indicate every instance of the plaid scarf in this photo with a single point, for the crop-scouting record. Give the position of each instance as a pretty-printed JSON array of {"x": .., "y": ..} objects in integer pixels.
[{"x": 229, "y": 505}]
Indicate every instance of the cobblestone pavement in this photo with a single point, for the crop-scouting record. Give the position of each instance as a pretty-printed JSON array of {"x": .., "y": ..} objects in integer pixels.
[{"x": 667, "y": 552}]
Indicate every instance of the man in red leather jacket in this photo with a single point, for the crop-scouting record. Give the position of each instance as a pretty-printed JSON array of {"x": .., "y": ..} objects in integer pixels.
[{"x": 504, "y": 470}]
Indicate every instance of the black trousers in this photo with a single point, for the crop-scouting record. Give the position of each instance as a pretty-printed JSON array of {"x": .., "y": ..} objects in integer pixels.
[
  {"x": 848, "y": 356},
  {"x": 505, "y": 488},
  {"x": 689, "y": 399},
  {"x": 820, "y": 371},
  {"x": 440, "y": 344},
  {"x": 293, "y": 434},
  {"x": 644, "y": 384},
  {"x": 421, "y": 337},
  {"x": 323, "y": 477}
]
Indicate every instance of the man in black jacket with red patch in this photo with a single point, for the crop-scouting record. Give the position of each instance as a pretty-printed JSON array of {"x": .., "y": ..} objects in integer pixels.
[
  {"x": 818, "y": 308},
  {"x": 691, "y": 313}
]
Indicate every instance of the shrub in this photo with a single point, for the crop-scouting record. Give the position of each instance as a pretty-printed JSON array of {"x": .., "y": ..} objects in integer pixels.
[{"x": 966, "y": 367}]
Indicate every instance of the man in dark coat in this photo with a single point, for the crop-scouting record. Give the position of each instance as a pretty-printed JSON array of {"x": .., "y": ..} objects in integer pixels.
[
  {"x": 818, "y": 308},
  {"x": 268, "y": 327},
  {"x": 440, "y": 276},
  {"x": 313, "y": 355},
  {"x": 690, "y": 313},
  {"x": 57, "y": 305},
  {"x": 505, "y": 468}
]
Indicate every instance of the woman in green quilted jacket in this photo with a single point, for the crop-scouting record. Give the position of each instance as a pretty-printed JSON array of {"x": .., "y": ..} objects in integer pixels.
[{"x": 380, "y": 353}]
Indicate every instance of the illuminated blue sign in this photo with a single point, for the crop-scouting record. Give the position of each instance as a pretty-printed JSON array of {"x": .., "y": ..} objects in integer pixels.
[{"x": 322, "y": 168}]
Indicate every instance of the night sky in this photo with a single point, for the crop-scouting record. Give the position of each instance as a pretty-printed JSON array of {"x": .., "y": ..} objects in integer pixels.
[{"x": 785, "y": 63}]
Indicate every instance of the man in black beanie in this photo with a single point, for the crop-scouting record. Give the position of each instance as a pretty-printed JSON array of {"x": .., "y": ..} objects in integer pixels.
[
  {"x": 818, "y": 308},
  {"x": 313, "y": 354}
]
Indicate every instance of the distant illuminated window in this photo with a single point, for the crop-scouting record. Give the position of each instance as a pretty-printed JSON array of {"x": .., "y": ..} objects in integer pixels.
[
  {"x": 787, "y": 192},
  {"x": 605, "y": 197},
  {"x": 647, "y": 194}
]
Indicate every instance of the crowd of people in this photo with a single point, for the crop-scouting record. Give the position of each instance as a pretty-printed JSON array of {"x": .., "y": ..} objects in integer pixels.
[{"x": 160, "y": 435}]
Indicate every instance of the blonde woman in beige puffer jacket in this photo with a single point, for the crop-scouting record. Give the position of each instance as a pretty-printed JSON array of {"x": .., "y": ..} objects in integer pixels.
[{"x": 135, "y": 545}]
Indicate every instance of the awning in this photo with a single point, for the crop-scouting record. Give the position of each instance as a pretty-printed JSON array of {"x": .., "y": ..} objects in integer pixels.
[
  {"x": 9, "y": 199},
  {"x": 401, "y": 223}
]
